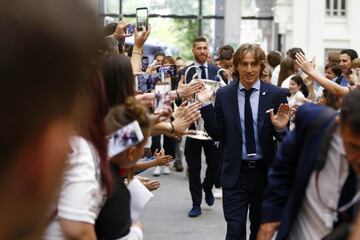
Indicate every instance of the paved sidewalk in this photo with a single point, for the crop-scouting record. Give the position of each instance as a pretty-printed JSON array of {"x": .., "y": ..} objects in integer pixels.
[{"x": 165, "y": 217}]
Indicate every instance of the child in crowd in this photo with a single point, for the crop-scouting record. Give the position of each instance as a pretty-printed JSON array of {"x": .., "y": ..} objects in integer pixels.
[
  {"x": 298, "y": 93},
  {"x": 114, "y": 221}
]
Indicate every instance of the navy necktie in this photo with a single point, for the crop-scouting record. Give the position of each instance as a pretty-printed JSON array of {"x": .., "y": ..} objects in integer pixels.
[
  {"x": 203, "y": 73},
  {"x": 249, "y": 126}
]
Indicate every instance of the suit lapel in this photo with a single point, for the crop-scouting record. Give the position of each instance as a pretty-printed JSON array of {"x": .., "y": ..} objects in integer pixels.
[
  {"x": 235, "y": 103},
  {"x": 264, "y": 100}
]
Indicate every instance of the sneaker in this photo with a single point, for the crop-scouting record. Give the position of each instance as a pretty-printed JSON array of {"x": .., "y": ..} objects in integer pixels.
[
  {"x": 217, "y": 192},
  {"x": 166, "y": 170},
  {"x": 156, "y": 172},
  {"x": 178, "y": 166},
  {"x": 209, "y": 198},
  {"x": 195, "y": 211}
]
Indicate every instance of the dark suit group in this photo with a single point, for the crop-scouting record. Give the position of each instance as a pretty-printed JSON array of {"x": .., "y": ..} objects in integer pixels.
[
  {"x": 243, "y": 183},
  {"x": 302, "y": 152}
]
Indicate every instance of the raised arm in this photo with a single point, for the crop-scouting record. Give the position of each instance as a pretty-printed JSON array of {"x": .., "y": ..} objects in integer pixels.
[
  {"x": 139, "y": 41},
  {"x": 308, "y": 68}
]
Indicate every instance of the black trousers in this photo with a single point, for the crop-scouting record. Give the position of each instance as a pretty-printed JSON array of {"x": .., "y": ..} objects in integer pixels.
[
  {"x": 193, "y": 148},
  {"x": 245, "y": 195}
]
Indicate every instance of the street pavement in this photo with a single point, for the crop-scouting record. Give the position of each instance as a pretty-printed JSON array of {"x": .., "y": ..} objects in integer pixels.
[{"x": 165, "y": 217}]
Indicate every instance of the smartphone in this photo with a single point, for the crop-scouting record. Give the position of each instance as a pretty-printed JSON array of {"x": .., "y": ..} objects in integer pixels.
[
  {"x": 169, "y": 71},
  {"x": 146, "y": 82},
  {"x": 124, "y": 138},
  {"x": 162, "y": 97},
  {"x": 144, "y": 63},
  {"x": 142, "y": 18},
  {"x": 129, "y": 29}
]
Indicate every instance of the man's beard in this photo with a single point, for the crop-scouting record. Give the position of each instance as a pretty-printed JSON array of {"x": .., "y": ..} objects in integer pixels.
[{"x": 198, "y": 60}]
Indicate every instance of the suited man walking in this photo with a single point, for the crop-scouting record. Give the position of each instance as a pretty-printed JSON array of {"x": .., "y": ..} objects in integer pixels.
[
  {"x": 312, "y": 182},
  {"x": 193, "y": 147},
  {"x": 241, "y": 122}
]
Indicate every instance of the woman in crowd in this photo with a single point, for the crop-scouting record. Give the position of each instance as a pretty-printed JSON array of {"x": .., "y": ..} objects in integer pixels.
[
  {"x": 86, "y": 180},
  {"x": 114, "y": 221},
  {"x": 287, "y": 70}
]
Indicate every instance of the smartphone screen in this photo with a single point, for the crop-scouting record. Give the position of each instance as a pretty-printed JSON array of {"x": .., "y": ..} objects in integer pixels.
[
  {"x": 129, "y": 29},
  {"x": 162, "y": 97},
  {"x": 147, "y": 82},
  {"x": 124, "y": 138},
  {"x": 141, "y": 18},
  {"x": 144, "y": 63}
]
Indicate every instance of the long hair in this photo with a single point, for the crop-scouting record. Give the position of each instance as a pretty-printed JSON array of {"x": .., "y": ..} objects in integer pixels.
[
  {"x": 300, "y": 82},
  {"x": 119, "y": 79},
  {"x": 95, "y": 131},
  {"x": 286, "y": 69}
]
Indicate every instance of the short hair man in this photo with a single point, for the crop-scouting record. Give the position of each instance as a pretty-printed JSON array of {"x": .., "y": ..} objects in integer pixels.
[
  {"x": 346, "y": 57},
  {"x": 241, "y": 122},
  {"x": 159, "y": 57},
  {"x": 193, "y": 147},
  {"x": 226, "y": 61},
  {"x": 45, "y": 57},
  {"x": 313, "y": 176}
]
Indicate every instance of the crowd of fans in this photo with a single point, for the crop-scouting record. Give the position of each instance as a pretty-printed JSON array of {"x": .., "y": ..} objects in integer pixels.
[{"x": 70, "y": 87}]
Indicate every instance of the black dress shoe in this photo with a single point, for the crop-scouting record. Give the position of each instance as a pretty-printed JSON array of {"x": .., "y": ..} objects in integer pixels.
[{"x": 178, "y": 166}]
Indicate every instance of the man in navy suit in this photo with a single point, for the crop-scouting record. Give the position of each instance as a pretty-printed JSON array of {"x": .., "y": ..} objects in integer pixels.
[
  {"x": 245, "y": 127},
  {"x": 200, "y": 69},
  {"x": 311, "y": 181}
]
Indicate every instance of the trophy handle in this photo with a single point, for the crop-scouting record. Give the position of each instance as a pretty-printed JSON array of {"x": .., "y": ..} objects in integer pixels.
[
  {"x": 187, "y": 71},
  {"x": 222, "y": 82}
]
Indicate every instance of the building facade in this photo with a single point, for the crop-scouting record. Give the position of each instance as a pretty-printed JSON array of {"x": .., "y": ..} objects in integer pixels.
[{"x": 317, "y": 26}]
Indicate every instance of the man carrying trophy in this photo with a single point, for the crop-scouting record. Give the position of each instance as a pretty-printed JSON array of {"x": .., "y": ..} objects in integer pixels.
[
  {"x": 201, "y": 69},
  {"x": 243, "y": 120}
]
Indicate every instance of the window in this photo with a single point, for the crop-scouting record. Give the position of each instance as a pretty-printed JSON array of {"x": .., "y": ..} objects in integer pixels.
[{"x": 336, "y": 8}]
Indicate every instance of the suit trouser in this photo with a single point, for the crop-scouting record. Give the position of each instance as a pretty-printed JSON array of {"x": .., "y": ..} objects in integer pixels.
[
  {"x": 193, "y": 148},
  {"x": 245, "y": 195}
]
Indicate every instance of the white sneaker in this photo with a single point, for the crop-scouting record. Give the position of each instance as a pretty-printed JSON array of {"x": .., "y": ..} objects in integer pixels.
[
  {"x": 156, "y": 172},
  {"x": 166, "y": 170},
  {"x": 217, "y": 192}
]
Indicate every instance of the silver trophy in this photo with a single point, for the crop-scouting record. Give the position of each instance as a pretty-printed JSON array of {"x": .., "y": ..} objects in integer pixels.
[{"x": 200, "y": 131}]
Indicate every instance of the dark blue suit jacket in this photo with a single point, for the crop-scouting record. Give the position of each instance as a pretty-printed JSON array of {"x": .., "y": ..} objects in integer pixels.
[
  {"x": 223, "y": 124},
  {"x": 295, "y": 161}
]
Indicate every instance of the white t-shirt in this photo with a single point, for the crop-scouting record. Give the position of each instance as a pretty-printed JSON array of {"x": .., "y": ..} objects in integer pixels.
[
  {"x": 81, "y": 196},
  {"x": 296, "y": 99},
  {"x": 286, "y": 82},
  {"x": 275, "y": 75}
]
